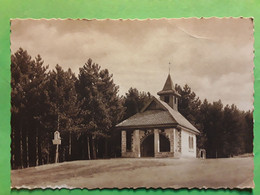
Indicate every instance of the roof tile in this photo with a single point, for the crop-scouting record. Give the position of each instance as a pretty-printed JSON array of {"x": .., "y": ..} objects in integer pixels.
[{"x": 148, "y": 117}]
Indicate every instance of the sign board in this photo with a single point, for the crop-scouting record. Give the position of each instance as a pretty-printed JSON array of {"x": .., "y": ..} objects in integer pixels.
[
  {"x": 56, "y": 141},
  {"x": 56, "y": 135},
  {"x": 57, "y": 138}
]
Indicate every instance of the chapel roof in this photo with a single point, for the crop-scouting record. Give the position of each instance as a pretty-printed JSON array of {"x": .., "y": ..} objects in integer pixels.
[
  {"x": 168, "y": 87},
  {"x": 157, "y": 114}
]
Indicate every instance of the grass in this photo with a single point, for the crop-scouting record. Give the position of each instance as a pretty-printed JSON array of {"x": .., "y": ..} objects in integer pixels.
[{"x": 142, "y": 172}]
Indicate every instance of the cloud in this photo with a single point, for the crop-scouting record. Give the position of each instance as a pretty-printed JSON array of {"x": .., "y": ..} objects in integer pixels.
[{"x": 213, "y": 56}]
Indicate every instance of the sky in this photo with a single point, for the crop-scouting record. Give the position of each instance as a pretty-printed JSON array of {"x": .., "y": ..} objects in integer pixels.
[{"x": 213, "y": 56}]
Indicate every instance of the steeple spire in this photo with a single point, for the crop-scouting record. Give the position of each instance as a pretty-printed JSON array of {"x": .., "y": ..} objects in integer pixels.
[
  {"x": 168, "y": 94},
  {"x": 169, "y": 67},
  {"x": 168, "y": 84}
]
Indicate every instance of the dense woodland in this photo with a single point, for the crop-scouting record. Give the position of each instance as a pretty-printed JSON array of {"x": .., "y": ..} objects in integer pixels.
[{"x": 86, "y": 107}]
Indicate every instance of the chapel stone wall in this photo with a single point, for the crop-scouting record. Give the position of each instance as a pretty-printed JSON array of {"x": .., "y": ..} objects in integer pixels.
[
  {"x": 135, "y": 145},
  {"x": 176, "y": 138}
]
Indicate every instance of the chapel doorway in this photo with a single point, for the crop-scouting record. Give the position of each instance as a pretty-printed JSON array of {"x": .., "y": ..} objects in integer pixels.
[{"x": 147, "y": 146}]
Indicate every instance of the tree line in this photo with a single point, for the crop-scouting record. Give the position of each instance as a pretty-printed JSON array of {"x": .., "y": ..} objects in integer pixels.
[
  {"x": 225, "y": 131},
  {"x": 82, "y": 108},
  {"x": 86, "y": 107}
]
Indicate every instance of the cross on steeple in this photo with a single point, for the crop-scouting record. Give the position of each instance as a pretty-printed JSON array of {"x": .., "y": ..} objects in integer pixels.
[{"x": 169, "y": 67}]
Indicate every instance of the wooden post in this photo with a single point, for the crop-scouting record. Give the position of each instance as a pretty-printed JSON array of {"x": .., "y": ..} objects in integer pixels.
[
  {"x": 56, "y": 141},
  {"x": 57, "y": 153}
]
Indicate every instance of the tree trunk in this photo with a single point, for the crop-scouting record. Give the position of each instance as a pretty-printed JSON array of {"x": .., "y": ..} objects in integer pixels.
[
  {"x": 83, "y": 150},
  {"x": 89, "y": 157},
  {"x": 21, "y": 147},
  {"x": 13, "y": 148},
  {"x": 106, "y": 148},
  {"x": 27, "y": 149},
  {"x": 70, "y": 145},
  {"x": 94, "y": 152},
  {"x": 40, "y": 156},
  {"x": 36, "y": 148},
  {"x": 63, "y": 154},
  {"x": 96, "y": 147},
  {"x": 48, "y": 155}
]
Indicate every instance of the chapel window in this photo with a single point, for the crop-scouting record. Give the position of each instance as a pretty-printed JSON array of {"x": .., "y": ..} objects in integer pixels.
[
  {"x": 191, "y": 142},
  {"x": 129, "y": 141}
]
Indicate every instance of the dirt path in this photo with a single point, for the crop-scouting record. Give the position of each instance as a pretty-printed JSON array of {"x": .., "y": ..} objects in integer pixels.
[{"x": 121, "y": 173}]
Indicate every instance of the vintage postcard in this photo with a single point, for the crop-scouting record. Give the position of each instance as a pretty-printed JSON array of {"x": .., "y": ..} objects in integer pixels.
[{"x": 156, "y": 103}]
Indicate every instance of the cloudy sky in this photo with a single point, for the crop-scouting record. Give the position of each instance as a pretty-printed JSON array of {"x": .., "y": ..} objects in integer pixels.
[{"x": 213, "y": 56}]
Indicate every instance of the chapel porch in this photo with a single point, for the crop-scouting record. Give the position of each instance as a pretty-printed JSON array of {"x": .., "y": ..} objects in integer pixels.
[{"x": 157, "y": 143}]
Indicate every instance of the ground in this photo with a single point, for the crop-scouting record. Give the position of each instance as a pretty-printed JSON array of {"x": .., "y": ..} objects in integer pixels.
[{"x": 142, "y": 172}]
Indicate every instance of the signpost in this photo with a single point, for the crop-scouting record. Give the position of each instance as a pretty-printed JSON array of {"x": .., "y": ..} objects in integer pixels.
[{"x": 56, "y": 141}]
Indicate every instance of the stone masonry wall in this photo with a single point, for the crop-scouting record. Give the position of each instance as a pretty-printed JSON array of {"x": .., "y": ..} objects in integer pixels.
[
  {"x": 135, "y": 145},
  {"x": 164, "y": 154},
  {"x": 170, "y": 135},
  {"x": 137, "y": 136},
  {"x": 123, "y": 142}
]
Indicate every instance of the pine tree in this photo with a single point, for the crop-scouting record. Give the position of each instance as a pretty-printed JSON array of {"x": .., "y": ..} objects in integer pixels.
[
  {"x": 249, "y": 135},
  {"x": 20, "y": 67},
  {"x": 37, "y": 101},
  {"x": 134, "y": 101},
  {"x": 101, "y": 107},
  {"x": 64, "y": 107},
  {"x": 28, "y": 79},
  {"x": 114, "y": 106},
  {"x": 189, "y": 104}
]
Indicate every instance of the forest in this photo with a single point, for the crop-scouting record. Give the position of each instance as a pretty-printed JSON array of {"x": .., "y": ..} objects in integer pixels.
[{"x": 84, "y": 108}]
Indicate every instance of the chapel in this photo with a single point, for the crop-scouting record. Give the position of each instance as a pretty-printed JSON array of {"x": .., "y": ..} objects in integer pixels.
[{"x": 159, "y": 130}]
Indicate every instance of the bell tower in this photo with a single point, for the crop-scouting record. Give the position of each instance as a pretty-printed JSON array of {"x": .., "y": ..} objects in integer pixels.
[{"x": 168, "y": 94}]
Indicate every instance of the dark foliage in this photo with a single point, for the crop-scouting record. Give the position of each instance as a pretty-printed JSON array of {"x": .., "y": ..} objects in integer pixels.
[
  {"x": 225, "y": 131},
  {"x": 134, "y": 101},
  {"x": 85, "y": 109}
]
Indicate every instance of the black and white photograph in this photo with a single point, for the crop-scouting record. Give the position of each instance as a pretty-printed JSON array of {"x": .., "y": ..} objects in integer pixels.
[{"x": 154, "y": 103}]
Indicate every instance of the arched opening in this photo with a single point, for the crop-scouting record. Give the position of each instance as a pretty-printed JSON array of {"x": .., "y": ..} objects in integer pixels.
[
  {"x": 164, "y": 144},
  {"x": 147, "y": 146}
]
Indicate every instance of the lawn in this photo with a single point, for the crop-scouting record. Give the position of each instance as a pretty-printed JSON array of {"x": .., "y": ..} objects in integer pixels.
[{"x": 142, "y": 172}]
